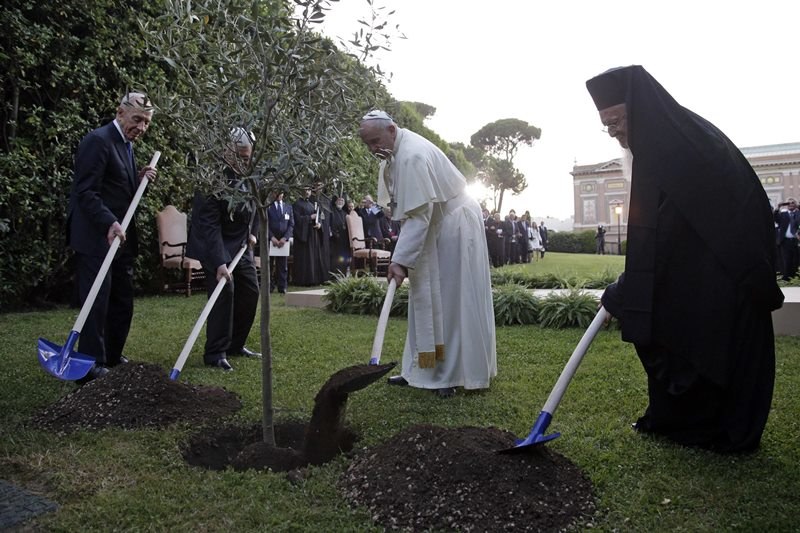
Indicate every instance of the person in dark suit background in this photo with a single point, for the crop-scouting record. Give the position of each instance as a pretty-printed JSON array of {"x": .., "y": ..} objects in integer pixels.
[
  {"x": 787, "y": 221},
  {"x": 513, "y": 232},
  {"x": 543, "y": 236},
  {"x": 371, "y": 216},
  {"x": 281, "y": 225},
  {"x": 216, "y": 236},
  {"x": 340, "y": 238},
  {"x": 103, "y": 187},
  {"x": 390, "y": 229}
]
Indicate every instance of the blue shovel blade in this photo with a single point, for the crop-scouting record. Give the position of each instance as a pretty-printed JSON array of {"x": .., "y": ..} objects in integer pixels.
[
  {"x": 536, "y": 436},
  {"x": 63, "y": 363}
]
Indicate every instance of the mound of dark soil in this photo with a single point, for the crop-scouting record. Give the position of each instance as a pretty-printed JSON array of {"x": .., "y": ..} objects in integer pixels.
[
  {"x": 429, "y": 477},
  {"x": 136, "y": 395},
  {"x": 243, "y": 448}
]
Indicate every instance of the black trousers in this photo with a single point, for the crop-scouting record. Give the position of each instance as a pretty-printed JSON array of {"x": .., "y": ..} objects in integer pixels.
[
  {"x": 279, "y": 271},
  {"x": 790, "y": 254},
  {"x": 233, "y": 313},
  {"x": 106, "y": 329}
]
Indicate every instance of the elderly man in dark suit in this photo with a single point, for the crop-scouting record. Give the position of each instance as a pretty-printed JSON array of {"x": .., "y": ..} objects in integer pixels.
[
  {"x": 281, "y": 224},
  {"x": 216, "y": 236},
  {"x": 103, "y": 187}
]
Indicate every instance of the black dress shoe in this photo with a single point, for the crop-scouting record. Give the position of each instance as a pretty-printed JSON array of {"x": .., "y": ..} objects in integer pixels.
[
  {"x": 446, "y": 392},
  {"x": 121, "y": 361},
  {"x": 95, "y": 372},
  {"x": 397, "y": 380},
  {"x": 245, "y": 352},
  {"x": 282, "y": 291},
  {"x": 221, "y": 363}
]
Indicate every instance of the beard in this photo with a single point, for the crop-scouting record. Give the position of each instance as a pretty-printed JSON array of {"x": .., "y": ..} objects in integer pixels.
[{"x": 627, "y": 164}]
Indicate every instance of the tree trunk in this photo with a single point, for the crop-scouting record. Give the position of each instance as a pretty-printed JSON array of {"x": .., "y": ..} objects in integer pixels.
[
  {"x": 268, "y": 422},
  {"x": 500, "y": 201}
]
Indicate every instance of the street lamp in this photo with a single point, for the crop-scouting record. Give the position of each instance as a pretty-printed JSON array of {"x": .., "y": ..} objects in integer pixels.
[{"x": 618, "y": 211}]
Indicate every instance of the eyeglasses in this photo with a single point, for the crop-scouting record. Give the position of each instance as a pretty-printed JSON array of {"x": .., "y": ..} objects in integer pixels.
[{"x": 613, "y": 128}]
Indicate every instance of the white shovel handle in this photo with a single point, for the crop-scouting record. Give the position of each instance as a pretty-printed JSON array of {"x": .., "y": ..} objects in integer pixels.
[
  {"x": 204, "y": 315},
  {"x": 377, "y": 344},
  {"x": 112, "y": 250},
  {"x": 574, "y": 361}
]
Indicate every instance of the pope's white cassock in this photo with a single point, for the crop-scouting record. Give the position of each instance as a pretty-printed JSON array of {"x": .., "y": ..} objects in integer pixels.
[{"x": 451, "y": 334}]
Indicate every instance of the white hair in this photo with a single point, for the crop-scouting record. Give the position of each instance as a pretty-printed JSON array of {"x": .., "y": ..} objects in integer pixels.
[
  {"x": 241, "y": 137},
  {"x": 137, "y": 100}
]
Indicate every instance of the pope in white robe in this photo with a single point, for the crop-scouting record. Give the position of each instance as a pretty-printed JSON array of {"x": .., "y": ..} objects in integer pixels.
[{"x": 442, "y": 250}]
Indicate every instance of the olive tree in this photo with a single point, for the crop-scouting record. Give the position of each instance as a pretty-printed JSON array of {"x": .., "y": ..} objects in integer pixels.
[{"x": 260, "y": 65}]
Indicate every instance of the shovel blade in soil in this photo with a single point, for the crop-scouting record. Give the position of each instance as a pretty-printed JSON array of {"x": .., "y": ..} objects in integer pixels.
[
  {"x": 61, "y": 361},
  {"x": 536, "y": 436},
  {"x": 357, "y": 377}
]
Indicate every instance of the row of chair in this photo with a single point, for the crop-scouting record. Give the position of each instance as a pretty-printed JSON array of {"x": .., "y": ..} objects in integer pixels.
[{"x": 366, "y": 254}]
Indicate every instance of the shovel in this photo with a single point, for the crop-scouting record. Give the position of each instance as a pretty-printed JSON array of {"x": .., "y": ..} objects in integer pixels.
[
  {"x": 176, "y": 370},
  {"x": 537, "y": 435},
  {"x": 357, "y": 377},
  {"x": 61, "y": 361}
]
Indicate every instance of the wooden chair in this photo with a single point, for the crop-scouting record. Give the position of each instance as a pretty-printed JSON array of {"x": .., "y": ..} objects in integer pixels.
[
  {"x": 172, "y": 238},
  {"x": 367, "y": 252}
]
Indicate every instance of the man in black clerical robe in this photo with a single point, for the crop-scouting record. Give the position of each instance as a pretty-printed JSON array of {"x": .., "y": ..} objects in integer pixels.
[
  {"x": 311, "y": 263},
  {"x": 699, "y": 285}
]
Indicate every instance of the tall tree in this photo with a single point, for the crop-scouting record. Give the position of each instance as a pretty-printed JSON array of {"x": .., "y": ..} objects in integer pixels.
[{"x": 500, "y": 140}]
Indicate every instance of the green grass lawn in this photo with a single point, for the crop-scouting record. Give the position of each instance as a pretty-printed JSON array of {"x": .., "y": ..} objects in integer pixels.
[{"x": 137, "y": 480}]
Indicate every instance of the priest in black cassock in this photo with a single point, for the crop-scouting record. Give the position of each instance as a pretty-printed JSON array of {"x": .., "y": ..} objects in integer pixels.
[
  {"x": 311, "y": 263},
  {"x": 699, "y": 286}
]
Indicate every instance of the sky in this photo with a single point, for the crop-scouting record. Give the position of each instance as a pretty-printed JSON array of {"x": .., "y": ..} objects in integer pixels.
[{"x": 733, "y": 62}]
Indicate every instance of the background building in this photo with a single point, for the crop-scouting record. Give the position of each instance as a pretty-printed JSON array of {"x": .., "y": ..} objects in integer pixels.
[{"x": 601, "y": 191}]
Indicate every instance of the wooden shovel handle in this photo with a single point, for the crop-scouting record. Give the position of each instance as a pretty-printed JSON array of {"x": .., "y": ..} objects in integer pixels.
[{"x": 377, "y": 344}]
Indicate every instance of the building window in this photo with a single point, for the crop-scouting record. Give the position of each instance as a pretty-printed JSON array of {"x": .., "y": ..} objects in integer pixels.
[{"x": 589, "y": 211}]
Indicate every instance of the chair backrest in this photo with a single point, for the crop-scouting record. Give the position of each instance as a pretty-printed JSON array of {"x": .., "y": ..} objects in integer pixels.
[
  {"x": 172, "y": 229},
  {"x": 355, "y": 229}
]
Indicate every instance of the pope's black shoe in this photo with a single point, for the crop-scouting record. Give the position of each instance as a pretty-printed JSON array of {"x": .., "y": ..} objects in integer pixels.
[
  {"x": 397, "y": 380},
  {"x": 447, "y": 392},
  {"x": 221, "y": 363}
]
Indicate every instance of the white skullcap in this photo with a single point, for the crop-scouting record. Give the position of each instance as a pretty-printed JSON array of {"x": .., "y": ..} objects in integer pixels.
[
  {"x": 377, "y": 114},
  {"x": 242, "y": 137}
]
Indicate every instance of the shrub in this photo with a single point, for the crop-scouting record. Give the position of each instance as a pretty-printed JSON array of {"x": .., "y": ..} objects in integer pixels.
[
  {"x": 573, "y": 242},
  {"x": 573, "y": 309},
  {"x": 363, "y": 295},
  {"x": 602, "y": 279},
  {"x": 514, "y": 304}
]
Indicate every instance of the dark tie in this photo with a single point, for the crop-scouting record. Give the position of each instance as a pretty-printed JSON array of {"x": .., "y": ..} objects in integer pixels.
[{"x": 130, "y": 155}]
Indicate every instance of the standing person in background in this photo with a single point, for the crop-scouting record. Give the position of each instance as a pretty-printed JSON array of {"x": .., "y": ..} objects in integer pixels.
[
  {"x": 340, "y": 240},
  {"x": 371, "y": 215},
  {"x": 311, "y": 265},
  {"x": 390, "y": 228},
  {"x": 787, "y": 221},
  {"x": 281, "y": 227},
  {"x": 600, "y": 240},
  {"x": 534, "y": 240},
  {"x": 216, "y": 237},
  {"x": 497, "y": 240},
  {"x": 442, "y": 251},
  {"x": 103, "y": 187},
  {"x": 696, "y": 297},
  {"x": 524, "y": 253},
  {"x": 543, "y": 238},
  {"x": 513, "y": 233}
]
